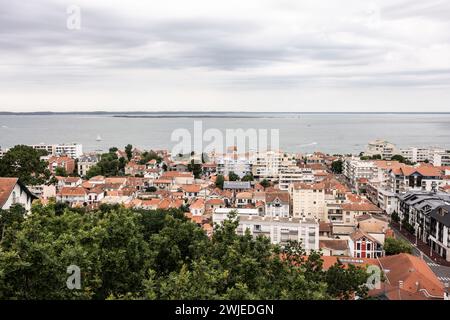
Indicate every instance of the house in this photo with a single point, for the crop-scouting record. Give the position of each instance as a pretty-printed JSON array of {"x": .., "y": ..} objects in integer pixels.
[
  {"x": 178, "y": 177},
  {"x": 65, "y": 162},
  {"x": 334, "y": 247},
  {"x": 190, "y": 191},
  {"x": 243, "y": 199},
  {"x": 213, "y": 204},
  {"x": 363, "y": 245},
  {"x": 277, "y": 204},
  {"x": 86, "y": 162},
  {"x": 408, "y": 278},
  {"x": 12, "y": 191},
  {"x": 198, "y": 207},
  {"x": 354, "y": 209},
  {"x": 72, "y": 195},
  {"x": 374, "y": 225}
]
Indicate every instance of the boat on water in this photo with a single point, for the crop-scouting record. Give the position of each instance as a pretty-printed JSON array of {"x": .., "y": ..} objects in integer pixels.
[{"x": 98, "y": 138}]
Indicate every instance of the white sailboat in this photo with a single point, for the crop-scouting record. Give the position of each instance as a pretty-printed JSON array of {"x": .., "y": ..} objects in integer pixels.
[{"x": 98, "y": 138}]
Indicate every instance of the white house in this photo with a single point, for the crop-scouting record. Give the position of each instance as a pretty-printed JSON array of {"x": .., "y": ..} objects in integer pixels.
[{"x": 12, "y": 191}]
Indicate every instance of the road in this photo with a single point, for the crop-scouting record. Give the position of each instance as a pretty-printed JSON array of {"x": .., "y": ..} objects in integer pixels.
[{"x": 441, "y": 272}]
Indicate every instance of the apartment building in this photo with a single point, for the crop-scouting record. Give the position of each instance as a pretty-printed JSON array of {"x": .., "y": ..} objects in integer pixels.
[
  {"x": 383, "y": 148},
  {"x": 72, "y": 150},
  {"x": 308, "y": 200},
  {"x": 295, "y": 174},
  {"x": 427, "y": 214},
  {"x": 441, "y": 158},
  {"x": 239, "y": 164},
  {"x": 279, "y": 230},
  {"x": 409, "y": 178},
  {"x": 355, "y": 169},
  {"x": 269, "y": 164}
]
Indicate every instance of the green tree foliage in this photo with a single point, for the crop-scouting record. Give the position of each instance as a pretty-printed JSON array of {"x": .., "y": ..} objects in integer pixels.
[
  {"x": 109, "y": 165},
  {"x": 61, "y": 171},
  {"x": 265, "y": 183},
  {"x": 394, "y": 246},
  {"x": 233, "y": 176},
  {"x": 24, "y": 163},
  {"x": 149, "y": 155},
  {"x": 136, "y": 254},
  {"x": 248, "y": 177},
  {"x": 395, "y": 217},
  {"x": 129, "y": 151},
  {"x": 401, "y": 159},
  {"x": 219, "y": 181},
  {"x": 336, "y": 166},
  {"x": 195, "y": 168}
]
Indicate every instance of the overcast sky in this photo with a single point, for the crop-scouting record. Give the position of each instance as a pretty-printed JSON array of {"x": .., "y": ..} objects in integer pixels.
[{"x": 242, "y": 55}]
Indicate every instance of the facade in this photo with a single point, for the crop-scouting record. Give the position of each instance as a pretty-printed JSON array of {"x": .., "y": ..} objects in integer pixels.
[
  {"x": 294, "y": 175},
  {"x": 383, "y": 148},
  {"x": 363, "y": 245},
  {"x": 279, "y": 230},
  {"x": 65, "y": 162},
  {"x": 408, "y": 178},
  {"x": 355, "y": 169},
  {"x": 85, "y": 162},
  {"x": 308, "y": 200},
  {"x": 12, "y": 192},
  {"x": 277, "y": 204},
  {"x": 72, "y": 150},
  {"x": 427, "y": 215},
  {"x": 240, "y": 165}
]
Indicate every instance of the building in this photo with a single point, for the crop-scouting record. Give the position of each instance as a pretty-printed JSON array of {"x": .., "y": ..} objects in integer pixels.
[
  {"x": 382, "y": 148},
  {"x": 363, "y": 245},
  {"x": 293, "y": 175},
  {"x": 355, "y": 169},
  {"x": 308, "y": 200},
  {"x": 441, "y": 158},
  {"x": 407, "y": 178},
  {"x": 426, "y": 216},
  {"x": 279, "y": 230},
  {"x": 12, "y": 192},
  {"x": 72, "y": 150},
  {"x": 440, "y": 231},
  {"x": 277, "y": 204},
  {"x": 65, "y": 162},
  {"x": 85, "y": 162}
]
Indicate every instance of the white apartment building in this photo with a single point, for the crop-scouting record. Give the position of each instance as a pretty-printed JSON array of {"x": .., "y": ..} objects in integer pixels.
[
  {"x": 72, "y": 150},
  {"x": 417, "y": 154},
  {"x": 239, "y": 164},
  {"x": 383, "y": 148},
  {"x": 441, "y": 158},
  {"x": 2, "y": 152},
  {"x": 308, "y": 200},
  {"x": 269, "y": 164},
  {"x": 295, "y": 175},
  {"x": 355, "y": 169},
  {"x": 279, "y": 230}
]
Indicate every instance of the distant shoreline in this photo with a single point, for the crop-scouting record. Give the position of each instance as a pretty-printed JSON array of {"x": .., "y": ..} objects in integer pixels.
[{"x": 202, "y": 114}]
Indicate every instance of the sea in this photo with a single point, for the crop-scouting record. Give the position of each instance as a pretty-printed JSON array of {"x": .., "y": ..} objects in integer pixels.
[{"x": 333, "y": 133}]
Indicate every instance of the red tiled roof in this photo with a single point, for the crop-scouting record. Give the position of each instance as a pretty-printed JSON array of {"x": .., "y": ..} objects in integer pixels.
[{"x": 6, "y": 187}]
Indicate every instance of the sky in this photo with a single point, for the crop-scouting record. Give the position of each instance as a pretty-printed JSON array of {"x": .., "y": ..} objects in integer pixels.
[{"x": 210, "y": 55}]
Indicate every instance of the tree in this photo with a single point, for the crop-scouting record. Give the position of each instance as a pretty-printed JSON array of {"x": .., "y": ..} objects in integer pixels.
[
  {"x": 336, "y": 166},
  {"x": 394, "y": 246},
  {"x": 233, "y": 176},
  {"x": 128, "y": 151},
  {"x": 93, "y": 171},
  {"x": 395, "y": 217},
  {"x": 400, "y": 159},
  {"x": 248, "y": 177},
  {"x": 61, "y": 172},
  {"x": 24, "y": 163},
  {"x": 219, "y": 181},
  {"x": 195, "y": 168},
  {"x": 265, "y": 183}
]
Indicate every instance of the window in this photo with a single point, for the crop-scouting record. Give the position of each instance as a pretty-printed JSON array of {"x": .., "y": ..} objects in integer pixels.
[{"x": 358, "y": 246}]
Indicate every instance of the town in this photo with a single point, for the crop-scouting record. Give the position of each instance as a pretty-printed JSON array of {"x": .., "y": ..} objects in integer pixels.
[{"x": 387, "y": 207}]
